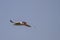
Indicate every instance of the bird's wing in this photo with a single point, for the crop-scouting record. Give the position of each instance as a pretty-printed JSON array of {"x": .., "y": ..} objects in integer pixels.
[
  {"x": 11, "y": 21},
  {"x": 28, "y": 25}
]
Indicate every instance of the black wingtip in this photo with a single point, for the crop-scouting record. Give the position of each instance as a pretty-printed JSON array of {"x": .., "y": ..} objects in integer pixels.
[
  {"x": 11, "y": 21},
  {"x": 28, "y": 25}
]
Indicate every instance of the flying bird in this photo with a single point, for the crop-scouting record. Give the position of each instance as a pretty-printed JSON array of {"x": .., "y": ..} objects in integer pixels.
[{"x": 20, "y": 23}]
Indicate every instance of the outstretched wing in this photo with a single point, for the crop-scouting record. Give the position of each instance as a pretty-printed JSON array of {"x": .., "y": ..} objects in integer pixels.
[{"x": 28, "y": 25}]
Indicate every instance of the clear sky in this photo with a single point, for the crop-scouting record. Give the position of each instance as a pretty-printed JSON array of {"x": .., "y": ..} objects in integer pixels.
[{"x": 42, "y": 15}]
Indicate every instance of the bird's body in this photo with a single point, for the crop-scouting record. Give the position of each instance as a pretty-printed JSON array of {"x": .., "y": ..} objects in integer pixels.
[{"x": 20, "y": 23}]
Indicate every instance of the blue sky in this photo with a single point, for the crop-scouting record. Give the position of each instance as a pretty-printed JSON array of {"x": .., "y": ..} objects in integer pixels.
[{"x": 42, "y": 15}]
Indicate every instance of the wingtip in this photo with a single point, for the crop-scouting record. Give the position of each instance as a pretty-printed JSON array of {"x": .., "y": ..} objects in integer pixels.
[
  {"x": 11, "y": 21},
  {"x": 28, "y": 25}
]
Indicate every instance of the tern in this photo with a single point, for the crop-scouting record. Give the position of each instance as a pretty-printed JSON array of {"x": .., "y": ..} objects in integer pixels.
[{"x": 20, "y": 23}]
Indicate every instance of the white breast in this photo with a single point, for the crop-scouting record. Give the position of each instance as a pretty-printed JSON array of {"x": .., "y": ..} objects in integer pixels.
[{"x": 21, "y": 22}]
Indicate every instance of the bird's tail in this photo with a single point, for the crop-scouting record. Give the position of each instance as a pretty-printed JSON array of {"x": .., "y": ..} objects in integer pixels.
[{"x": 11, "y": 21}]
